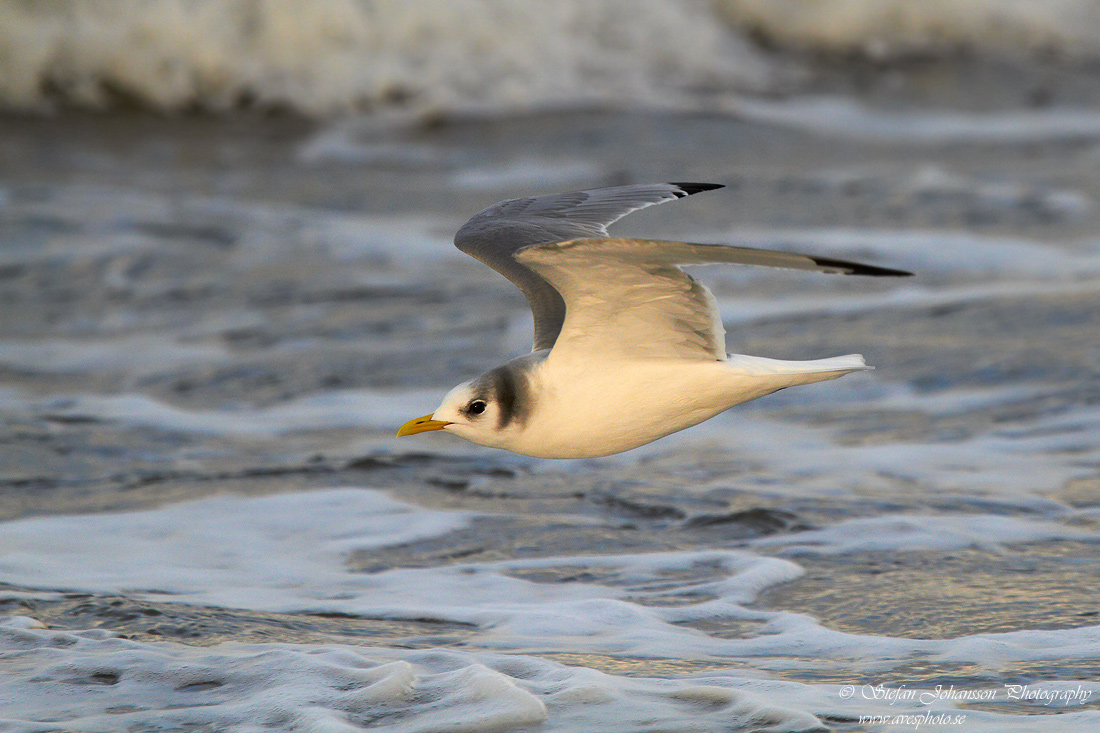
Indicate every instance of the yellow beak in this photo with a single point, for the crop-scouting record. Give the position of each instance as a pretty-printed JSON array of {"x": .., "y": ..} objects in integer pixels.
[{"x": 421, "y": 425}]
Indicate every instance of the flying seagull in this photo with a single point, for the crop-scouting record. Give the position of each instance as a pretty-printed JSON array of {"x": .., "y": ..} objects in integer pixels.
[{"x": 628, "y": 347}]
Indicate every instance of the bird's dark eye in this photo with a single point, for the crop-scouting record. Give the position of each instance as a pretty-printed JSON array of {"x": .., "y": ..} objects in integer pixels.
[{"x": 476, "y": 407}]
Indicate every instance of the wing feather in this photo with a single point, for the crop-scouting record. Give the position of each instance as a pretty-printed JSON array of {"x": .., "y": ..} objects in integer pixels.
[
  {"x": 629, "y": 296},
  {"x": 494, "y": 235}
]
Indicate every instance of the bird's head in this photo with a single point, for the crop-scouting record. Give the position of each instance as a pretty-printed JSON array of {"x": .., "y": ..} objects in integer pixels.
[{"x": 486, "y": 410}]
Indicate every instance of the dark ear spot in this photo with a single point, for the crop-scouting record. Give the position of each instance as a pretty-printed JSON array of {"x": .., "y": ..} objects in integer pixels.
[
  {"x": 506, "y": 393},
  {"x": 504, "y": 384}
]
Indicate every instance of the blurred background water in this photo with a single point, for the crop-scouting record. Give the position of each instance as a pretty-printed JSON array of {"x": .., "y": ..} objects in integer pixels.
[{"x": 227, "y": 277}]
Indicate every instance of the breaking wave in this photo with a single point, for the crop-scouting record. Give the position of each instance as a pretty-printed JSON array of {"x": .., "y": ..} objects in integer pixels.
[{"x": 321, "y": 57}]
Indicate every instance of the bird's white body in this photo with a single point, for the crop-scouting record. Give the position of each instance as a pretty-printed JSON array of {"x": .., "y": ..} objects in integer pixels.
[
  {"x": 628, "y": 347},
  {"x": 585, "y": 409}
]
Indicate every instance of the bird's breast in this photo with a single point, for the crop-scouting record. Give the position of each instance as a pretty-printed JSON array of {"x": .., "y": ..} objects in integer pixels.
[{"x": 590, "y": 410}]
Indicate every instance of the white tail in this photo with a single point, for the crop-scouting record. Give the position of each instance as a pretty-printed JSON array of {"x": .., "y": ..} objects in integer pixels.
[
  {"x": 799, "y": 372},
  {"x": 762, "y": 365}
]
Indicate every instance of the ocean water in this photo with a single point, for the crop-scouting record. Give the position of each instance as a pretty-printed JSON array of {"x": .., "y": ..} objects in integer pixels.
[{"x": 214, "y": 321}]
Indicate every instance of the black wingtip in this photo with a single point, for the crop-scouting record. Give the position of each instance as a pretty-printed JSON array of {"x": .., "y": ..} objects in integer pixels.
[
  {"x": 687, "y": 189},
  {"x": 855, "y": 268}
]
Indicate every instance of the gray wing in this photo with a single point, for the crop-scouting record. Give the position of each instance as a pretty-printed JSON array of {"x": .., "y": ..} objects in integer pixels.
[
  {"x": 494, "y": 235},
  {"x": 628, "y": 298}
]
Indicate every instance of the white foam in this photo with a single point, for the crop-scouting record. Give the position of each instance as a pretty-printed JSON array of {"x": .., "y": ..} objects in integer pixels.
[
  {"x": 931, "y": 183},
  {"x": 73, "y": 208},
  {"x": 956, "y": 401},
  {"x": 798, "y": 636},
  {"x": 323, "y": 56},
  {"x": 893, "y": 28},
  {"x": 262, "y": 233},
  {"x": 291, "y": 546},
  {"x": 903, "y": 533},
  {"x": 604, "y": 620},
  {"x": 326, "y": 56},
  {"x": 157, "y": 353},
  {"x": 354, "y": 141},
  {"x": 91, "y": 681},
  {"x": 289, "y": 553},
  {"x": 849, "y": 118},
  {"x": 406, "y": 242}
]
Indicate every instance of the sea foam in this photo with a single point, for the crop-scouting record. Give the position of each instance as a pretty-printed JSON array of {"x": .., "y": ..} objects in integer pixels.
[
  {"x": 326, "y": 56},
  {"x": 323, "y": 56},
  {"x": 288, "y": 552}
]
